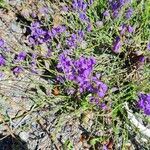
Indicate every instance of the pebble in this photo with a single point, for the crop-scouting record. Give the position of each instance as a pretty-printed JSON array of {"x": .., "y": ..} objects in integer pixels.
[
  {"x": 99, "y": 24},
  {"x": 83, "y": 44},
  {"x": 16, "y": 28},
  {"x": 24, "y": 136}
]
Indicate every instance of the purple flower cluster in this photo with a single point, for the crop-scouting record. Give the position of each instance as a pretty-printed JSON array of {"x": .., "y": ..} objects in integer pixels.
[
  {"x": 74, "y": 39},
  {"x": 55, "y": 31},
  {"x": 17, "y": 70},
  {"x": 98, "y": 87},
  {"x": 106, "y": 13},
  {"x": 144, "y": 103},
  {"x": 81, "y": 4},
  {"x": 116, "y": 6},
  {"x": 80, "y": 71},
  {"x": 117, "y": 44},
  {"x": 20, "y": 57},
  {"x": 2, "y": 60},
  {"x": 38, "y": 34},
  {"x": 81, "y": 7},
  {"x": 90, "y": 2},
  {"x": 126, "y": 29},
  {"x": 129, "y": 13}
]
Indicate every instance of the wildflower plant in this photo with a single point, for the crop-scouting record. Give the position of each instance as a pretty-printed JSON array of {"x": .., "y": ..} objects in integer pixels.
[
  {"x": 80, "y": 72},
  {"x": 88, "y": 62}
]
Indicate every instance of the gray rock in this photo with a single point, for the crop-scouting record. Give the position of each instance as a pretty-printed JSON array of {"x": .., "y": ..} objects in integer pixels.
[
  {"x": 16, "y": 28},
  {"x": 24, "y": 136}
]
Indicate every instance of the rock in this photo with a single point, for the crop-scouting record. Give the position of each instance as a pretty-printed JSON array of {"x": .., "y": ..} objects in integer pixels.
[
  {"x": 83, "y": 44},
  {"x": 11, "y": 112},
  {"x": 24, "y": 136},
  {"x": 16, "y": 28}
]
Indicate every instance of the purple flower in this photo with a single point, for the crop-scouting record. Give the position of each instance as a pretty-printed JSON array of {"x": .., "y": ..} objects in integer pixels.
[
  {"x": 31, "y": 40},
  {"x": 116, "y": 14},
  {"x": 106, "y": 13},
  {"x": 90, "y": 2},
  {"x": 89, "y": 27},
  {"x": 65, "y": 65},
  {"x": 126, "y": 28},
  {"x": 75, "y": 4},
  {"x": 79, "y": 5},
  {"x": 123, "y": 29},
  {"x": 2, "y": 60},
  {"x": 94, "y": 100},
  {"x": 83, "y": 16},
  {"x": 75, "y": 39},
  {"x": 123, "y": 2},
  {"x": 35, "y": 25},
  {"x": 99, "y": 87},
  {"x": 105, "y": 147},
  {"x": 72, "y": 41},
  {"x": 17, "y": 70},
  {"x": 49, "y": 52},
  {"x": 21, "y": 56},
  {"x": 55, "y": 31},
  {"x": 148, "y": 46},
  {"x": 103, "y": 106},
  {"x": 116, "y": 6},
  {"x": 117, "y": 45},
  {"x": 33, "y": 15},
  {"x": 80, "y": 34},
  {"x": 141, "y": 58},
  {"x": 129, "y": 13},
  {"x": 130, "y": 29},
  {"x": 144, "y": 103},
  {"x": 38, "y": 34},
  {"x": 1, "y": 42}
]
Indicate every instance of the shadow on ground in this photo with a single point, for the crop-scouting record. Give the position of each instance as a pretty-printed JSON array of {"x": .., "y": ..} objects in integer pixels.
[{"x": 10, "y": 143}]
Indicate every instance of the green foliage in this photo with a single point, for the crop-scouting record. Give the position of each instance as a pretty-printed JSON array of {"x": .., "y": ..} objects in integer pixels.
[{"x": 2, "y": 4}]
